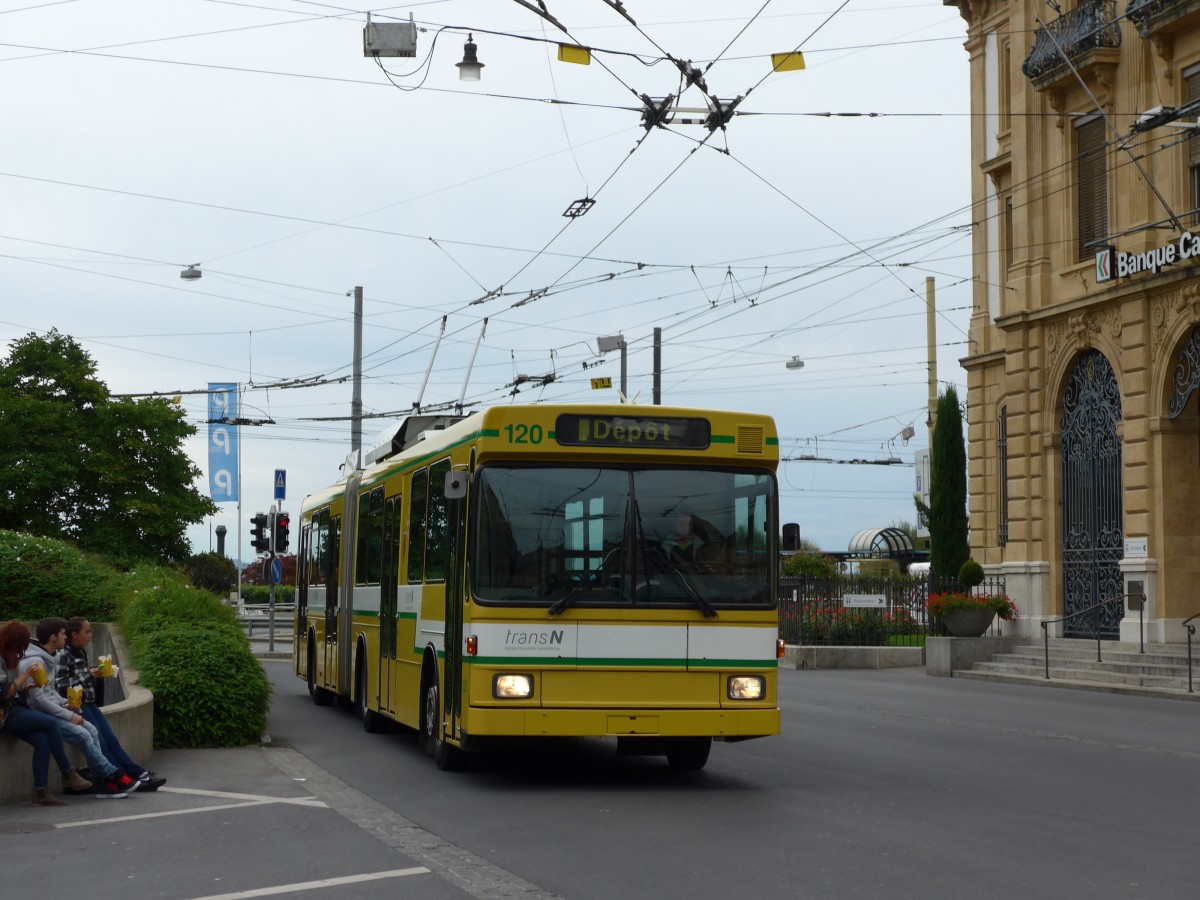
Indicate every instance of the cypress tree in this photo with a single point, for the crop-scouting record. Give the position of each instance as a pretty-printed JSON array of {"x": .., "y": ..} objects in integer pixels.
[{"x": 949, "y": 547}]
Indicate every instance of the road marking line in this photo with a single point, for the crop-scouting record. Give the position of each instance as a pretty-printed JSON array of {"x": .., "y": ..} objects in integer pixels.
[
  {"x": 232, "y": 796},
  {"x": 315, "y": 885},
  {"x": 184, "y": 812}
]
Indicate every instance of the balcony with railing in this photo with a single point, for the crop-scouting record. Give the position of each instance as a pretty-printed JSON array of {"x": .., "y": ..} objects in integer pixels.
[
  {"x": 1158, "y": 17},
  {"x": 1089, "y": 36}
]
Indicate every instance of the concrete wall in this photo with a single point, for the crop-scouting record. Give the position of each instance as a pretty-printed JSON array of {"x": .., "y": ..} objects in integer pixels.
[
  {"x": 945, "y": 655},
  {"x": 128, "y": 706},
  {"x": 851, "y": 657}
]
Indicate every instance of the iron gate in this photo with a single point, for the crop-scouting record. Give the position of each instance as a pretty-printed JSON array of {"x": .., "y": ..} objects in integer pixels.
[{"x": 1093, "y": 536}]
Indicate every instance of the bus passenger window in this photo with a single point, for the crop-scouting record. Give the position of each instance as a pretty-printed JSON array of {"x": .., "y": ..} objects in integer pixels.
[
  {"x": 416, "y": 525},
  {"x": 437, "y": 535}
]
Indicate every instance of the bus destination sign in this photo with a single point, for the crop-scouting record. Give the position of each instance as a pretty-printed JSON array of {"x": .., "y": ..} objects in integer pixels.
[{"x": 648, "y": 432}]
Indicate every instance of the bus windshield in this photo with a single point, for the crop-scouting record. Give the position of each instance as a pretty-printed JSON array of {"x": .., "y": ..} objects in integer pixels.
[{"x": 577, "y": 536}]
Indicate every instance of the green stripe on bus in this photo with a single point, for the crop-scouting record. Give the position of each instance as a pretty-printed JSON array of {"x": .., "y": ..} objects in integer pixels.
[
  {"x": 772, "y": 442},
  {"x": 558, "y": 661},
  {"x": 722, "y": 439},
  {"x": 735, "y": 663}
]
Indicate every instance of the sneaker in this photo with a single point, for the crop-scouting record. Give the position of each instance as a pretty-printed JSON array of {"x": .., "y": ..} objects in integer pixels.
[
  {"x": 125, "y": 783},
  {"x": 149, "y": 781},
  {"x": 110, "y": 790}
]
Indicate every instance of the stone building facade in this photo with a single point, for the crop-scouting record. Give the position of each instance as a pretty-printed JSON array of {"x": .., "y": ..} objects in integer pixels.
[{"x": 1083, "y": 428}]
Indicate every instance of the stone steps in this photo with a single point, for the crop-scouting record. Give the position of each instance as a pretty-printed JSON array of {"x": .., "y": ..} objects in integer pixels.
[{"x": 1160, "y": 671}]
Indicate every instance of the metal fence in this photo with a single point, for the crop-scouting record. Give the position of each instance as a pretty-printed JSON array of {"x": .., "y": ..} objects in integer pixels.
[{"x": 864, "y": 610}]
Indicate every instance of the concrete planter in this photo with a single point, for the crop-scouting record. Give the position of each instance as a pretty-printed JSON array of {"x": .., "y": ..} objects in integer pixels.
[{"x": 968, "y": 622}]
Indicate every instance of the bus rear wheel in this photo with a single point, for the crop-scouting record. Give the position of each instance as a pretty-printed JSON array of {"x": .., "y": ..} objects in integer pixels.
[
  {"x": 688, "y": 754},
  {"x": 373, "y": 722},
  {"x": 320, "y": 696}
]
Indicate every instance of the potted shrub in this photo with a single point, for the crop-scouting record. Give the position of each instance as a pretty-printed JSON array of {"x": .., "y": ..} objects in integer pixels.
[{"x": 970, "y": 615}]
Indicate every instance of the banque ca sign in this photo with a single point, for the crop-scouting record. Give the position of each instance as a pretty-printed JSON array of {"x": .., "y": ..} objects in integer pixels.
[{"x": 1112, "y": 263}]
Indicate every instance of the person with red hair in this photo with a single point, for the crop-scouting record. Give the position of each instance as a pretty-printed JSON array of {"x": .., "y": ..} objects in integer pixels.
[{"x": 34, "y": 728}]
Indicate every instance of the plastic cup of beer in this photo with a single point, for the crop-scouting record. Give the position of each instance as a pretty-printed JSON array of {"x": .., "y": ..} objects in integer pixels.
[
  {"x": 39, "y": 675},
  {"x": 75, "y": 696}
]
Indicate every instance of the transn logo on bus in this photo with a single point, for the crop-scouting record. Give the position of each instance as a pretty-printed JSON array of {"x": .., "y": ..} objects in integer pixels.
[{"x": 533, "y": 638}]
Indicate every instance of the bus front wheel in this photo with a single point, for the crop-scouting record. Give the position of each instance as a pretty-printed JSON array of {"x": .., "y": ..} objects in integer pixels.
[
  {"x": 445, "y": 756},
  {"x": 688, "y": 754}
]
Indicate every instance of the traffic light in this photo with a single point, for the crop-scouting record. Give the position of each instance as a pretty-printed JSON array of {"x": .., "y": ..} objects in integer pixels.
[
  {"x": 282, "y": 522},
  {"x": 260, "y": 535}
]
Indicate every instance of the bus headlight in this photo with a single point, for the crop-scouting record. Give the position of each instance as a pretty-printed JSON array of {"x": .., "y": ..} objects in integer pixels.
[
  {"x": 747, "y": 687},
  {"x": 512, "y": 687}
]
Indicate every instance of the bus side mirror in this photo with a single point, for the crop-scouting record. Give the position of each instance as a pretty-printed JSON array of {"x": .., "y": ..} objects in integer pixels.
[{"x": 456, "y": 485}]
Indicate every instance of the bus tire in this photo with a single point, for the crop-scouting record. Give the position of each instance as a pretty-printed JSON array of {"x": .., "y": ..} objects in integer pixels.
[
  {"x": 319, "y": 695},
  {"x": 688, "y": 754},
  {"x": 360, "y": 685},
  {"x": 373, "y": 722},
  {"x": 446, "y": 757}
]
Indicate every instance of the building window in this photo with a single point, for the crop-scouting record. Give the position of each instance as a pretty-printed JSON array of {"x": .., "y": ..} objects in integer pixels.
[
  {"x": 1002, "y": 473},
  {"x": 1091, "y": 186},
  {"x": 1192, "y": 85},
  {"x": 1008, "y": 235},
  {"x": 1005, "y": 88}
]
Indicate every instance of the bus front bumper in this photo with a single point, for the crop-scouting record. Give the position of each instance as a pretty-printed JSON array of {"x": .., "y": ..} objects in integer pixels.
[{"x": 721, "y": 724}]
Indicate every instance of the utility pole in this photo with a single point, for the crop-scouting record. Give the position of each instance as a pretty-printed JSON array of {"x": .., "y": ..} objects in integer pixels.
[
  {"x": 931, "y": 350},
  {"x": 657, "y": 366},
  {"x": 356, "y": 399}
]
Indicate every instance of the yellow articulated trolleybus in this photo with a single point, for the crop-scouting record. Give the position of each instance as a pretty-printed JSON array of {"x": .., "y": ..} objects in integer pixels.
[{"x": 584, "y": 570}]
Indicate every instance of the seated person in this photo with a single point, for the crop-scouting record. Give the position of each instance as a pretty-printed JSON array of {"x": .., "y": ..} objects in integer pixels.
[{"x": 684, "y": 545}]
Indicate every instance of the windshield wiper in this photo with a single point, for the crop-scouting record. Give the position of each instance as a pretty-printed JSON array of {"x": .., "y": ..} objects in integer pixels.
[
  {"x": 704, "y": 605},
  {"x": 565, "y": 600}
]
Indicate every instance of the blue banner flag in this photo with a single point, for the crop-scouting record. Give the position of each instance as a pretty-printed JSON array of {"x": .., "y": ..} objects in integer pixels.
[{"x": 222, "y": 442}]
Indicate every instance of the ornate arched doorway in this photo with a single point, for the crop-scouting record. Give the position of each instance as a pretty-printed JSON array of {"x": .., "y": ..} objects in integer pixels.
[{"x": 1093, "y": 531}]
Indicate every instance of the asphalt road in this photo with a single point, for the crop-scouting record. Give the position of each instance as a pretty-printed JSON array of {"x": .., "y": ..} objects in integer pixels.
[{"x": 885, "y": 784}]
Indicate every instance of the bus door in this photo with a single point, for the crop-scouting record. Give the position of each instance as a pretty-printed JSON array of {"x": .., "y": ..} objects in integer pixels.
[
  {"x": 455, "y": 522},
  {"x": 300, "y": 616},
  {"x": 333, "y": 602},
  {"x": 388, "y": 613}
]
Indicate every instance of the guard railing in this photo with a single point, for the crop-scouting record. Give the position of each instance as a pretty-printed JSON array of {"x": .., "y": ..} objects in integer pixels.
[
  {"x": 1191, "y": 630},
  {"x": 1094, "y": 609}
]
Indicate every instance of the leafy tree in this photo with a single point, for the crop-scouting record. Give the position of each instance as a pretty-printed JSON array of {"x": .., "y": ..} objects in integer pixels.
[
  {"x": 255, "y": 572},
  {"x": 809, "y": 562},
  {"x": 211, "y": 572},
  {"x": 949, "y": 547},
  {"x": 105, "y": 473}
]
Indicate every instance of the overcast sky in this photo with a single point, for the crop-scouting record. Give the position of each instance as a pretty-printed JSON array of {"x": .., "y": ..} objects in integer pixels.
[{"x": 255, "y": 140}]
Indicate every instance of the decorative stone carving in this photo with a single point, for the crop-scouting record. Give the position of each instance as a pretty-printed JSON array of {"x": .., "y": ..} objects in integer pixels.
[{"x": 1170, "y": 308}]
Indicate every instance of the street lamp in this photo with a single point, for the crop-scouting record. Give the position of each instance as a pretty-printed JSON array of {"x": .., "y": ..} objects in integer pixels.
[
  {"x": 470, "y": 68},
  {"x": 607, "y": 345},
  {"x": 795, "y": 363},
  {"x": 191, "y": 273}
]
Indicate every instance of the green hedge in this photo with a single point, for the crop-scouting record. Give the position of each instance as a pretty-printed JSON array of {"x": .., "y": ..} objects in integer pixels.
[
  {"x": 40, "y": 577},
  {"x": 257, "y": 593},
  {"x": 209, "y": 689}
]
